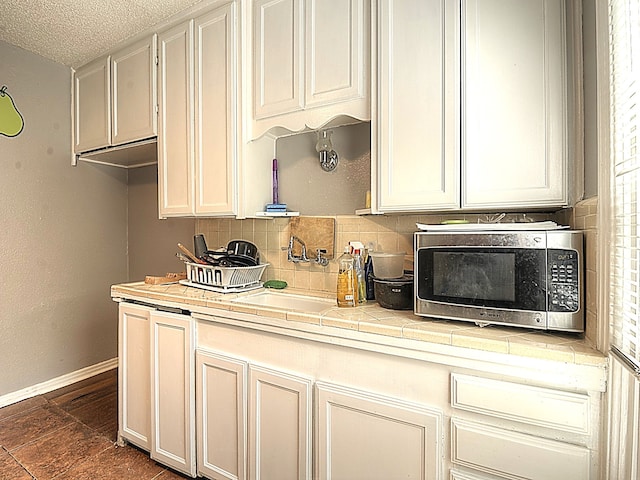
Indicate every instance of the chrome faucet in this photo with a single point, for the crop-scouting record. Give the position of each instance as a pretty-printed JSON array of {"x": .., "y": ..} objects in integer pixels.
[
  {"x": 296, "y": 258},
  {"x": 319, "y": 257}
]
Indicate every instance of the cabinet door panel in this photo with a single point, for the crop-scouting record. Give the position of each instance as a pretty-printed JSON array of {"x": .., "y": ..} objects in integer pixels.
[
  {"x": 133, "y": 74},
  {"x": 278, "y": 62},
  {"x": 215, "y": 99},
  {"x": 514, "y": 120},
  {"x": 418, "y": 104},
  {"x": 175, "y": 141},
  {"x": 134, "y": 379},
  {"x": 221, "y": 415},
  {"x": 335, "y": 50},
  {"x": 92, "y": 104},
  {"x": 363, "y": 435},
  {"x": 279, "y": 425},
  {"x": 173, "y": 387},
  {"x": 516, "y": 455}
]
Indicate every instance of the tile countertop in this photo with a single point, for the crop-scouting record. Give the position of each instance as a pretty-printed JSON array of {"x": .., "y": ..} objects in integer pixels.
[{"x": 373, "y": 319}]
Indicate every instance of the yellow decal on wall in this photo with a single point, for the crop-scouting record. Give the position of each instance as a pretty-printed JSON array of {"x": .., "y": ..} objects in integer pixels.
[{"x": 11, "y": 122}]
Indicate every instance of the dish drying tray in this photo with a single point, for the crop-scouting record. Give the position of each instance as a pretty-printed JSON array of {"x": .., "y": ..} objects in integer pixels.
[{"x": 224, "y": 279}]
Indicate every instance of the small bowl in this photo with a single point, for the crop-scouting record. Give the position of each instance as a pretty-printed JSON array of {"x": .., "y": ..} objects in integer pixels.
[{"x": 388, "y": 265}]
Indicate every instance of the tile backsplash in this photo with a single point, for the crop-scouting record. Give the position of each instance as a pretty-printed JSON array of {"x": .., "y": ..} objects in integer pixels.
[
  {"x": 393, "y": 233},
  {"x": 584, "y": 217}
]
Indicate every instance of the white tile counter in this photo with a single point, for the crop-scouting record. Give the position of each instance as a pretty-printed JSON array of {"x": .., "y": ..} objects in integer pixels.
[{"x": 388, "y": 326}]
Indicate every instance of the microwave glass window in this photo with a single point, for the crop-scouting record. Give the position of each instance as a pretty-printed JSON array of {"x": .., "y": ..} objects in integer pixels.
[
  {"x": 473, "y": 275},
  {"x": 513, "y": 278}
]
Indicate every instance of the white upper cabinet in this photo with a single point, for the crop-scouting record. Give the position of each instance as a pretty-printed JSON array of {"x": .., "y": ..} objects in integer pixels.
[
  {"x": 133, "y": 80},
  {"x": 279, "y": 57},
  {"x": 472, "y": 105},
  {"x": 115, "y": 98},
  {"x": 514, "y": 116},
  {"x": 199, "y": 124},
  {"x": 417, "y": 132},
  {"x": 310, "y": 62},
  {"x": 216, "y": 120},
  {"x": 92, "y": 106},
  {"x": 175, "y": 135}
]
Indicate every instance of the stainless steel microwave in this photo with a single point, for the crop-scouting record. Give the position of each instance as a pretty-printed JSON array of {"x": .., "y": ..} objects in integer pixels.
[{"x": 530, "y": 278}]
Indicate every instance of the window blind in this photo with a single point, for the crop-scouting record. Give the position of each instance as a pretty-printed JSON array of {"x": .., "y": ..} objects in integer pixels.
[{"x": 624, "y": 56}]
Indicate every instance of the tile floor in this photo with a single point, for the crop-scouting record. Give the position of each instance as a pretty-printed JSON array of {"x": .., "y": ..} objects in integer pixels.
[{"x": 70, "y": 433}]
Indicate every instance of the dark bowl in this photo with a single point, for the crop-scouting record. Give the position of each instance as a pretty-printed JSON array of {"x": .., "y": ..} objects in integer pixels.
[{"x": 396, "y": 293}]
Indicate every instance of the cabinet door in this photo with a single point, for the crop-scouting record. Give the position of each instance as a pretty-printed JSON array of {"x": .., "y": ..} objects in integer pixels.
[
  {"x": 134, "y": 377},
  {"x": 92, "y": 106},
  {"x": 175, "y": 133},
  {"x": 221, "y": 416},
  {"x": 418, "y": 122},
  {"x": 335, "y": 51},
  {"x": 363, "y": 435},
  {"x": 216, "y": 99},
  {"x": 511, "y": 454},
  {"x": 133, "y": 80},
  {"x": 278, "y": 57},
  {"x": 279, "y": 425},
  {"x": 173, "y": 391},
  {"x": 515, "y": 101}
]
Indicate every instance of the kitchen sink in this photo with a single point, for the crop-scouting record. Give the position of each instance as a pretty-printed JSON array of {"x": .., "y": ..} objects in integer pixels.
[{"x": 287, "y": 301}]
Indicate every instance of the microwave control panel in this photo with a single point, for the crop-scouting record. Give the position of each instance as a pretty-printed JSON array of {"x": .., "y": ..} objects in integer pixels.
[{"x": 562, "y": 268}]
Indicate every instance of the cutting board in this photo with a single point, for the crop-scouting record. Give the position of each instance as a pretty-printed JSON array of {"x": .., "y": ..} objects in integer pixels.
[
  {"x": 315, "y": 232},
  {"x": 168, "y": 278}
]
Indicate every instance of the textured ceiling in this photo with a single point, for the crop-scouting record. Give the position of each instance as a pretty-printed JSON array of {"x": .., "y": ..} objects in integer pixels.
[{"x": 73, "y": 32}]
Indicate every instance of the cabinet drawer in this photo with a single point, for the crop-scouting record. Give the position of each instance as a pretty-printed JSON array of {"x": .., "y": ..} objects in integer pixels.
[
  {"x": 459, "y": 475},
  {"x": 516, "y": 455},
  {"x": 560, "y": 410}
]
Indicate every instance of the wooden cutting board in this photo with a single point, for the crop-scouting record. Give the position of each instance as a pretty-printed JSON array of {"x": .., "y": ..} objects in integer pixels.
[
  {"x": 168, "y": 278},
  {"x": 315, "y": 232}
]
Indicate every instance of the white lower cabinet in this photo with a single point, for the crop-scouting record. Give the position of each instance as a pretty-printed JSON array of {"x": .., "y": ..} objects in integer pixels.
[
  {"x": 269, "y": 402},
  {"x": 173, "y": 391},
  {"x": 279, "y": 425},
  {"x": 252, "y": 421},
  {"x": 368, "y": 436},
  {"x": 221, "y": 412},
  {"x": 520, "y": 431},
  {"x": 156, "y": 385},
  {"x": 134, "y": 375},
  {"x": 516, "y": 455}
]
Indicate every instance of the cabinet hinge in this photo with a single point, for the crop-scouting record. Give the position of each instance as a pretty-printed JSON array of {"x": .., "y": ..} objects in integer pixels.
[{"x": 157, "y": 60}]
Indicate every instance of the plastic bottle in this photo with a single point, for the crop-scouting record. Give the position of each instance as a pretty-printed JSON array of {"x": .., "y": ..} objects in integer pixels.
[
  {"x": 368, "y": 277},
  {"x": 361, "y": 282},
  {"x": 346, "y": 292}
]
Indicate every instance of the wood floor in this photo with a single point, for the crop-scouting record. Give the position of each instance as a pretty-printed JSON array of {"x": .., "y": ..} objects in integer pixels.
[{"x": 70, "y": 433}]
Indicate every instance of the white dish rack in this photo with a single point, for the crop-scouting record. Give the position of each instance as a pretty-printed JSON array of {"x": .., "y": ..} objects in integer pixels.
[{"x": 224, "y": 279}]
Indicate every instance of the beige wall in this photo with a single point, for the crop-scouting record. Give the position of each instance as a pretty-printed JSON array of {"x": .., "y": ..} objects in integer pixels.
[
  {"x": 63, "y": 235},
  {"x": 152, "y": 242}
]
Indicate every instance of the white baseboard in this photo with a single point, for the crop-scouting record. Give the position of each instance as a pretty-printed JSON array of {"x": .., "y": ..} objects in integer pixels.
[{"x": 58, "y": 382}]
